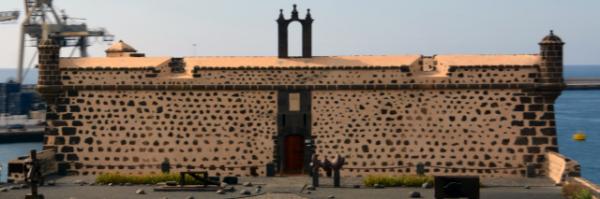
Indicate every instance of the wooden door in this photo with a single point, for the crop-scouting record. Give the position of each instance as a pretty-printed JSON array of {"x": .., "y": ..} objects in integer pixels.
[{"x": 294, "y": 154}]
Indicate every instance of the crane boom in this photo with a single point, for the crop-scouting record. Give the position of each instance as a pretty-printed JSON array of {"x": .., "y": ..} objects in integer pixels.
[{"x": 42, "y": 21}]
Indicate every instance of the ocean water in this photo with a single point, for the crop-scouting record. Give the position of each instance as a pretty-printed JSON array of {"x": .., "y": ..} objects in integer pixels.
[
  {"x": 7, "y": 74},
  {"x": 577, "y": 110},
  {"x": 580, "y": 111}
]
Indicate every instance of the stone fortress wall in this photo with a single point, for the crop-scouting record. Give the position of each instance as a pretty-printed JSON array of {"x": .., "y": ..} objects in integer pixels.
[{"x": 488, "y": 115}]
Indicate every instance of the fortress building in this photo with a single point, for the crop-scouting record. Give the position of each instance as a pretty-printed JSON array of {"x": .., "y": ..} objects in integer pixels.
[{"x": 487, "y": 115}]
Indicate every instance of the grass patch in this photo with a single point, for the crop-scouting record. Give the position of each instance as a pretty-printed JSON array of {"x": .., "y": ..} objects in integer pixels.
[
  {"x": 395, "y": 181},
  {"x": 117, "y": 178},
  {"x": 573, "y": 191}
]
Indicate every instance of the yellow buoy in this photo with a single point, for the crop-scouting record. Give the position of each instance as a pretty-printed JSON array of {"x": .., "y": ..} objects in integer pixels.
[{"x": 580, "y": 136}]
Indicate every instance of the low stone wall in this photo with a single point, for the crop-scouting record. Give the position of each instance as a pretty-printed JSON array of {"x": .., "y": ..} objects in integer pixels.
[
  {"x": 18, "y": 169},
  {"x": 560, "y": 167}
]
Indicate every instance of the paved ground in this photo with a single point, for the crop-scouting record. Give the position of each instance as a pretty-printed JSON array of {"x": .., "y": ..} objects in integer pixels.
[{"x": 275, "y": 188}]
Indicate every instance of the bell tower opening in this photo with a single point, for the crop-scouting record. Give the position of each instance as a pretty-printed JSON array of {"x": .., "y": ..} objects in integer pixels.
[{"x": 283, "y": 33}]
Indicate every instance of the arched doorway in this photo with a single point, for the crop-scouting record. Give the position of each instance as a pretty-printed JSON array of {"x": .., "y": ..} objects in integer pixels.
[{"x": 294, "y": 154}]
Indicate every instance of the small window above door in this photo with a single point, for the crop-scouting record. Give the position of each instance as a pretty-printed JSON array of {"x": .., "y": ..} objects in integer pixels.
[{"x": 294, "y": 100}]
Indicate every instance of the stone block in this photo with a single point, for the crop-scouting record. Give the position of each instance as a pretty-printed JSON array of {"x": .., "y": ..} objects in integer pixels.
[
  {"x": 74, "y": 109},
  {"x": 533, "y": 149},
  {"x": 536, "y": 107},
  {"x": 67, "y": 149},
  {"x": 539, "y": 140},
  {"x": 528, "y": 131},
  {"x": 548, "y": 131},
  {"x": 529, "y": 115},
  {"x": 519, "y": 108},
  {"x": 522, "y": 141},
  {"x": 69, "y": 131},
  {"x": 74, "y": 140},
  {"x": 537, "y": 123},
  {"x": 72, "y": 157},
  {"x": 517, "y": 123}
]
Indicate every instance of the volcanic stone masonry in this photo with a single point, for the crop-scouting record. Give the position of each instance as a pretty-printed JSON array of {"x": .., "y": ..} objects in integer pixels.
[{"x": 486, "y": 115}]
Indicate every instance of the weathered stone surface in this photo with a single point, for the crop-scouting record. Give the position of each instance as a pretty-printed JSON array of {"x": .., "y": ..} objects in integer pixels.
[{"x": 114, "y": 118}]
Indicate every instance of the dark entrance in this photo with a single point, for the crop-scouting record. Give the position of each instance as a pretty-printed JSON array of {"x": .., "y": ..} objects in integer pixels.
[
  {"x": 294, "y": 141},
  {"x": 294, "y": 154}
]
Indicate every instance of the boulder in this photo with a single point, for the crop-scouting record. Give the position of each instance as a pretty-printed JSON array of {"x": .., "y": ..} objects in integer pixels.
[
  {"x": 378, "y": 186},
  {"x": 310, "y": 187},
  {"x": 51, "y": 183},
  {"x": 247, "y": 184},
  {"x": 427, "y": 185},
  {"x": 414, "y": 194},
  {"x": 223, "y": 185},
  {"x": 171, "y": 183},
  {"x": 3, "y": 190},
  {"x": 110, "y": 184},
  {"x": 331, "y": 196},
  {"x": 140, "y": 192},
  {"x": 245, "y": 192}
]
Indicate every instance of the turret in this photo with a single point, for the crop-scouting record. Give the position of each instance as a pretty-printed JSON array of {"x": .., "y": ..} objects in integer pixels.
[
  {"x": 551, "y": 66},
  {"x": 49, "y": 80}
]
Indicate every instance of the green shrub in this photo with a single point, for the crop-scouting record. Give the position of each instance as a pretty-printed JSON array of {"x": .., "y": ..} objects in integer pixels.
[
  {"x": 117, "y": 178},
  {"x": 583, "y": 194},
  {"x": 574, "y": 191},
  {"x": 394, "y": 181}
]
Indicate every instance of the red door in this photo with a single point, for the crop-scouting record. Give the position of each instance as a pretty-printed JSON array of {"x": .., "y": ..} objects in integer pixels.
[{"x": 294, "y": 154}]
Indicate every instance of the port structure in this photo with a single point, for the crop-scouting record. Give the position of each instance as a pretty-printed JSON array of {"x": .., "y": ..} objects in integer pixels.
[
  {"x": 9, "y": 16},
  {"x": 42, "y": 21}
]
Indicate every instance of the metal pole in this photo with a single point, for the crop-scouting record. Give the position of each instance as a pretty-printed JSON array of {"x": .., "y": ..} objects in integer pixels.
[
  {"x": 34, "y": 177},
  {"x": 21, "y": 56},
  {"x": 336, "y": 177},
  {"x": 34, "y": 180},
  {"x": 83, "y": 47}
]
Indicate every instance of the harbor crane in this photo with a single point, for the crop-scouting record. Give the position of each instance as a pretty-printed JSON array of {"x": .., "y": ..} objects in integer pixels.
[{"x": 42, "y": 21}]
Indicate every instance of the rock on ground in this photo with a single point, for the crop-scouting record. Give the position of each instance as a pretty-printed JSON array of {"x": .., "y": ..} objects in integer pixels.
[
  {"x": 414, "y": 194},
  {"x": 140, "y": 191},
  {"x": 245, "y": 192}
]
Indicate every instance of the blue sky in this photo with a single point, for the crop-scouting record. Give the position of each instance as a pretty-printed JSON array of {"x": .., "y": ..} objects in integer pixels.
[{"x": 348, "y": 27}]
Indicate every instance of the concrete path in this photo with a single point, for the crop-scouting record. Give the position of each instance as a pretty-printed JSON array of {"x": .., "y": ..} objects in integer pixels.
[{"x": 288, "y": 187}]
